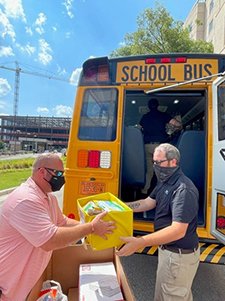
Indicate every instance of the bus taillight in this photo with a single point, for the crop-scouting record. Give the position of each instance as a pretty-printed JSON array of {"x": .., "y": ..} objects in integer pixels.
[
  {"x": 150, "y": 61},
  {"x": 181, "y": 60},
  {"x": 94, "y": 159},
  {"x": 82, "y": 158},
  {"x": 165, "y": 60},
  {"x": 103, "y": 73},
  {"x": 105, "y": 159}
]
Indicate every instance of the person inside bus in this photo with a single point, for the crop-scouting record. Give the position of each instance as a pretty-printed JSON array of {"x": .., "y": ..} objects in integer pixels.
[
  {"x": 32, "y": 226},
  {"x": 174, "y": 129},
  {"x": 153, "y": 125},
  {"x": 175, "y": 199}
]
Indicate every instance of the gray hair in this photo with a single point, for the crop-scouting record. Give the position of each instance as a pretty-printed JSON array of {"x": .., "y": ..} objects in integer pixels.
[
  {"x": 171, "y": 152},
  {"x": 43, "y": 160}
]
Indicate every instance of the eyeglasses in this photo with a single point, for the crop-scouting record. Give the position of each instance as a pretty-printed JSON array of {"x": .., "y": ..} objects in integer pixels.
[
  {"x": 159, "y": 162},
  {"x": 57, "y": 173}
]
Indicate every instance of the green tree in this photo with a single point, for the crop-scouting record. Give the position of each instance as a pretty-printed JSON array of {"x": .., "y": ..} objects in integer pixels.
[
  {"x": 158, "y": 32},
  {"x": 2, "y": 145}
]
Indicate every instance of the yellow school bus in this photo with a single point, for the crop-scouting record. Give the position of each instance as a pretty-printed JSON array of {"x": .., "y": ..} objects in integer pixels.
[{"x": 106, "y": 149}]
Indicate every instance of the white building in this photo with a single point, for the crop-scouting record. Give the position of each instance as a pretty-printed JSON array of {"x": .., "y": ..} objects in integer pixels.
[{"x": 206, "y": 21}]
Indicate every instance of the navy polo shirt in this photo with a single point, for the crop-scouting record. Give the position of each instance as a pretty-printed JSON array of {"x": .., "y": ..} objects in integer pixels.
[
  {"x": 154, "y": 126},
  {"x": 177, "y": 200}
]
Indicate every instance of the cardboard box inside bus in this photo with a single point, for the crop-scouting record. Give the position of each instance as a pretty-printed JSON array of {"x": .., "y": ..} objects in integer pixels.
[
  {"x": 64, "y": 268},
  {"x": 123, "y": 221}
]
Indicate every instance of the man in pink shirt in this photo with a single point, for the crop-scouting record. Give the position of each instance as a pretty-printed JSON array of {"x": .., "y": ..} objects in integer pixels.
[{"x": 32, "y": 226}]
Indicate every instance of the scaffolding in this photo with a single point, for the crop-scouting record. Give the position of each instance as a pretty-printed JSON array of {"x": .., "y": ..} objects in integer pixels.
[{"x": 35, "y": 133}]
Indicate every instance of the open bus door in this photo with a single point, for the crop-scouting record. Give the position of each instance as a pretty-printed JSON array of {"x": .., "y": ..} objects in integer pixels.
[{"x": 218, "y": 169}]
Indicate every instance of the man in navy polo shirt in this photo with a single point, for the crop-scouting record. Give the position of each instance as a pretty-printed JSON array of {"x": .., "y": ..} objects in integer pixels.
[
  {"x": 175, "y": 199},
  {"x": 153, "y": 125}
]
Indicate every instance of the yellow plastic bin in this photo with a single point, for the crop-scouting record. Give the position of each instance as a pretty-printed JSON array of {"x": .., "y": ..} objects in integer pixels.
[{"x": 123, "y": 221}]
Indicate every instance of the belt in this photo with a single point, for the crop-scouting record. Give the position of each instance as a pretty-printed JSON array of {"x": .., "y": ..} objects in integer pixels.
[{"x": 177, "y": 250}]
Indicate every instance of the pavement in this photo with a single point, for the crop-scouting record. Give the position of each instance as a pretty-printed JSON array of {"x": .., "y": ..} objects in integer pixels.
[
  {"x": 4, "y": 194},
  {"x": 6, "y": 191}
]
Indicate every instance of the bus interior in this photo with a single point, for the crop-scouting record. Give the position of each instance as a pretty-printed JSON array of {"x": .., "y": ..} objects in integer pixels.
[{"x": 191, "y": 106}]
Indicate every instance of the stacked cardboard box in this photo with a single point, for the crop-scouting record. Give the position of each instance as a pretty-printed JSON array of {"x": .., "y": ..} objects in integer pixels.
[{"x": 98, "y": 281}]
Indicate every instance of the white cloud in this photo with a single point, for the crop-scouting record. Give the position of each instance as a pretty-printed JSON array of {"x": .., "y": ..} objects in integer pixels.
[
  {"x": 44, "y": 55},
  {"x": 75, "y": 76},
  {"x": 6, "y": 51},
  {"x": 69, "y": 5},
  {"x": 63, "y": 111},
  {"x": 2, "y": 104},
  {"x": 29, "y": 30},
  {"x": 5, "y": 87},
  {"x": 68, "y": 34},
  {"x": 6, "y": 28},
  {"x": 42, "y": 110},
  {"x": 13, "y": 9},
  {"x": 27, "y": 49},
  {"x": 39, "y": 23},
  {"x": 61, "y": 71}
]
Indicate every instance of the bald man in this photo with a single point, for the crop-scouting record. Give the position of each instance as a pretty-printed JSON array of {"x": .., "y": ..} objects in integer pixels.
[{"x": 32, "y": 226}]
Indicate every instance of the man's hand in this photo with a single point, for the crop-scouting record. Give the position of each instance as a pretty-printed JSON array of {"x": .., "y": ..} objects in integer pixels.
[
  {"x": 132, "y": 244},
  {"x": 100, "y": 227}
]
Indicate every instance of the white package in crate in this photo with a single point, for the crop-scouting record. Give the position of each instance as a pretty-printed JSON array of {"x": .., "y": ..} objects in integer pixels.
[{"x": 98, "y": 281}]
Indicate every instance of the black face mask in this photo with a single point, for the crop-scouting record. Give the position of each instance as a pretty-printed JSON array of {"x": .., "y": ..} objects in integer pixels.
[
  {"x": 56, "y": 182},
  {"x": 164, "y": 173}
]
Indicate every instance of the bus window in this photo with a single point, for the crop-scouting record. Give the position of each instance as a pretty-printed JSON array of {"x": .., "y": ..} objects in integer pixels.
[
  {"x": 98, "y": 115},
  {"x": 221, "y": 112}
]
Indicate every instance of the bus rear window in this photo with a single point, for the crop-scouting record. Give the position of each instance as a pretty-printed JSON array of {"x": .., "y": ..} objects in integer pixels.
[
  {"x": 221, "y": 112},
  {"x": 98, "y": 118}
]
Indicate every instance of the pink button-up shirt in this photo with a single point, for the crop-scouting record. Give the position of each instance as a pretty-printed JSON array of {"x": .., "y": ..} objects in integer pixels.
[{"x": 29, "y": 218}]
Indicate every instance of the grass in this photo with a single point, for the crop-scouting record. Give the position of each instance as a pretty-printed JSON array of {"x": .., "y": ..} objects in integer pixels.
[
  {"x": 13, "y": 178},
  {"x": 16, "y": 164},
  {"x": 15, "y": 172}
]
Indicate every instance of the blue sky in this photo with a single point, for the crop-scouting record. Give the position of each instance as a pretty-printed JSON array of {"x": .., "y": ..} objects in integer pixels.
[{"x": 54, "y": 38}]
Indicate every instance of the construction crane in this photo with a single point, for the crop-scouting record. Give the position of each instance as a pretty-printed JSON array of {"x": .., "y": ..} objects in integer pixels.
[{"x": 17, "y": 71}]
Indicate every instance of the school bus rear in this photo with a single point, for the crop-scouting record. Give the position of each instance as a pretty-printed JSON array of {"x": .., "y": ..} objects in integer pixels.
[{"x": 106, "y": 149}]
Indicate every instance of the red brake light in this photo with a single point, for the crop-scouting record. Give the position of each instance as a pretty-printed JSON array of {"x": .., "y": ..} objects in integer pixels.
[
  {"x": 181, "y": 60},
  {"x": 150, "y": 61},
  {"x": 94, "y": 158},
  {"x": 165, "y": 60}
]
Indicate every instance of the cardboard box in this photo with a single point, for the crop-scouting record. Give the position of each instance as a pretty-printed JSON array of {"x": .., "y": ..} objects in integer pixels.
[
  {"x": 123, "y": 221},
  {"x": 98, "y": 281},
  {"x": 64, "y": 268}
]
